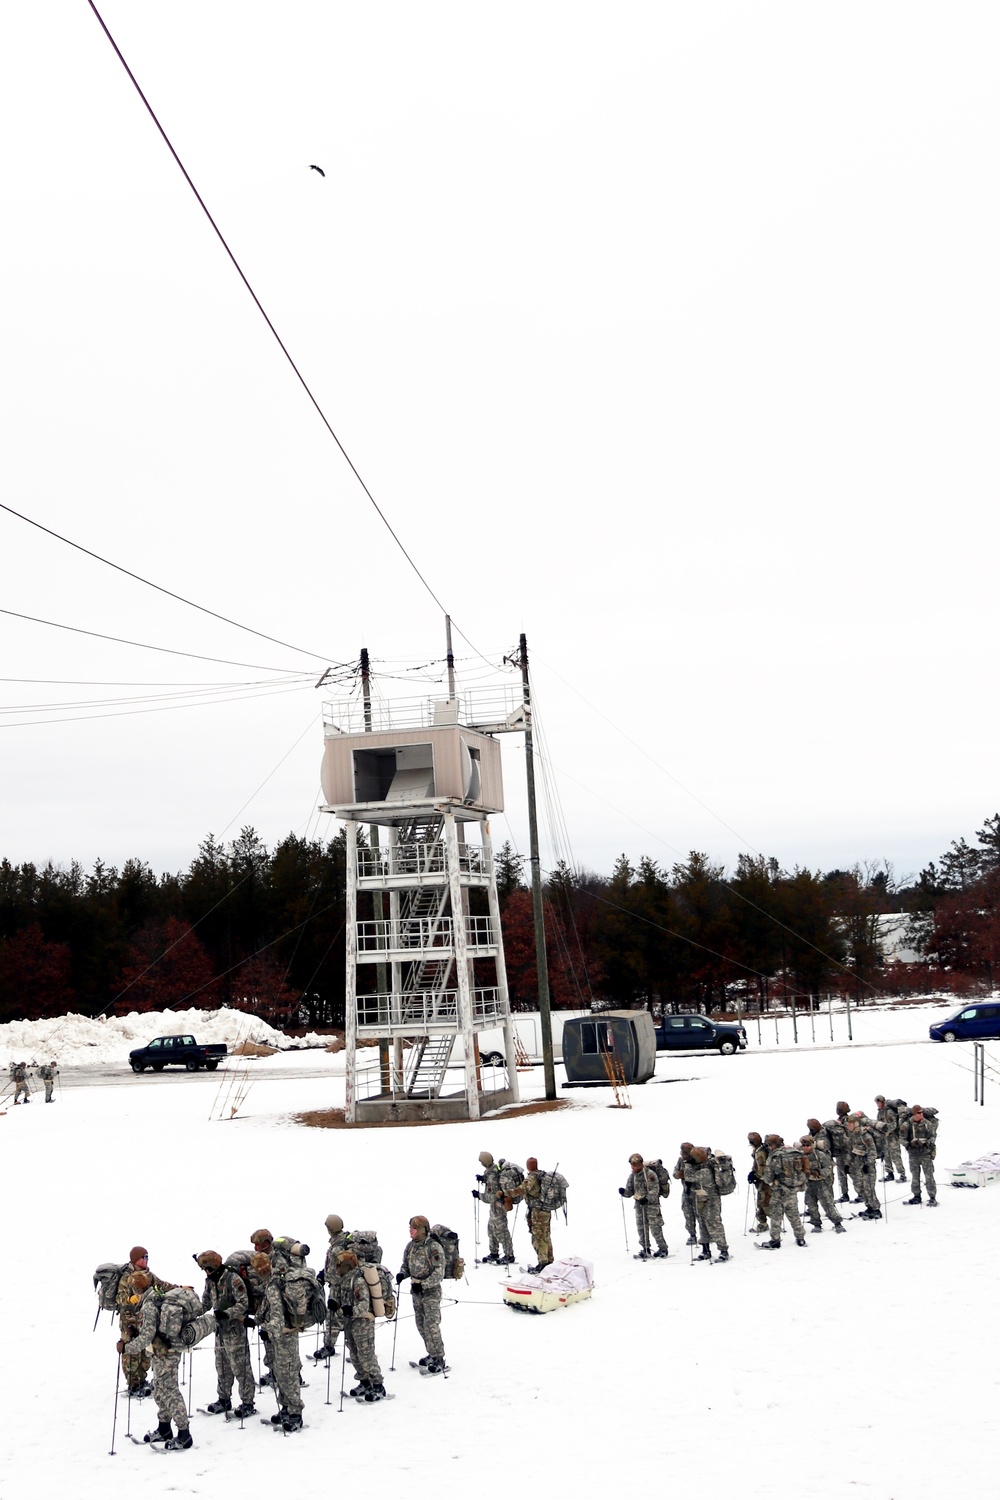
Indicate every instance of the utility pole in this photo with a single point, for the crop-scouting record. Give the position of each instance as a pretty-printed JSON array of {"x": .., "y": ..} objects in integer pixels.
[
  {"x": 382, "y": 970},
  {"x": 541, "y": 957}
]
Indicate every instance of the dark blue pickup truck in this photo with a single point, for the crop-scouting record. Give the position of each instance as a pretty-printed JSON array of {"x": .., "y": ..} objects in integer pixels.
[
  {"x": 699, "y": 1034},
  {"x": 178, "y": 1052}
]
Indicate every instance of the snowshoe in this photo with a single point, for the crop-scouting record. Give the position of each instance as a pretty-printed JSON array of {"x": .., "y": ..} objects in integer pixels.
[
  {"x": 706, "y": 1253},
  {"x": 643, "y": 1255},
  {"x": 161, "y": 1434},
  {"x": 839, "y": 1229},
  {"x": 323, "y": 1352},
  {"x": 723, "y": 1255},
  {"x": 816, "y": 1229},
  {"x": 245, "y": 1409},
  {"x": 889, "y": 1177},
  {"x": 660, "y": 1254},
  {"x": 376, "y": 1393},
  {"x": 182, "y": 1440},
  {"x": 291, "y": 1422},
  {"x": 844, "y": 1198},
  {"x": 214, "y": 1407},
  {"x": 769, "y": 1245},
  {"x": 915, "y": 1199},
  {"x": 435, "y": 1367},
  {"x": 932, "y": 1203},
  {"x": 489, "y": 1260},
  {"x": 276, "y": 1420},
  {"x": 266, "y": 1380},
  {"x": 361, "y": 1389}
]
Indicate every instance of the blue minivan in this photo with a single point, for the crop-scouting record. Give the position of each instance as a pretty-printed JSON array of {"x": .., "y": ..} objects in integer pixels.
[{"x": 974, "y": 1023}]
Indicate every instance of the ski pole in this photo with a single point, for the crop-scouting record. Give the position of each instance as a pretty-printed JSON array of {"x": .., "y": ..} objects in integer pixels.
[
  {"x": 343, "y": 1372},
  {"x": 746, "y": 1212},
  {"x": 395, "y": 1330},
  {"x": 114, "y": 1423},
  {"x": 98, "y": 1314},
  {"x": 328, "y": 1363},
  {"x": 128, "y": 1413},
  {"x": 475, "y": 1220},
  {"x": 624, "y": 1223}
]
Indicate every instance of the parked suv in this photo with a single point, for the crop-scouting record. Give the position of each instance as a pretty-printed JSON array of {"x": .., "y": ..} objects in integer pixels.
[
  {"x": 699, "y": 1034},
  {"x": 974, "y": 1023}
]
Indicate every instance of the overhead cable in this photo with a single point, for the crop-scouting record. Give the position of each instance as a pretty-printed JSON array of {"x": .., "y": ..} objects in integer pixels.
[{"x": 221, "y": 661}]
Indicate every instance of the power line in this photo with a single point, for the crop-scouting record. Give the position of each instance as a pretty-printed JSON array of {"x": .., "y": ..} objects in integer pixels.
[
  {"x": 157, "y": 586},
  {"x": 220, "y": 661},
  {"x": 260, "y": 308},
  {"x": 206, "y": 691},
  {"x": 160, "y": 709}
]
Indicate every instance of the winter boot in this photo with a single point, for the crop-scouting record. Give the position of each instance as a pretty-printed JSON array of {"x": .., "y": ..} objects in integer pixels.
[
  {"x": 377, "y": 1393},
  {"x": 506, "y": 1260},
  {"x": 533, "y": 1270},
  {"x": 661, "y": 1254},
  {"x": 889, "y": 1177},
  {"x": 706, "y": 1253},
  {"x": 435, "y": 1366},
  {"x": 643, "y": 1255},
  {"x": 914, "y": 1199},
  {"x": 160, "y": 1434},
  {"x": 690, "y": 1240},
  {"x": 323, "y": 1352},
  {"x": 853, "y": 1200},
  {"x": 844, "y": 1198},
  {"x": 816, "y": 1229},
  {"x": 266, "y": 1379},
  {"x": 425, "y": 1360},
  {"x": 245, "y": 1409},
  {"x": 724, "y": 1254},
  {"x": 279, "y": 1417},
  {"x": 902, "y": 1177},
  {"x": 223, "y": 1404},
  {"x": 932, "y": 1203},
  {"x": 141, "y": 1391},
  {"x": 291, "y": 1422},
  {"x": 838, "y": 1228},
  {"x": 769, "y": 1245},
  {"x": 182, "y": 1440},
  {"x": 489, "y": 1260},
  {"x": 800, "y": 1240}
]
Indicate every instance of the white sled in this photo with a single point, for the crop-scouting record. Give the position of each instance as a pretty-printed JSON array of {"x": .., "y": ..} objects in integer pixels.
[
  {"x": 979, "y": 1173},
  {"x": 559, "y": 1285}
]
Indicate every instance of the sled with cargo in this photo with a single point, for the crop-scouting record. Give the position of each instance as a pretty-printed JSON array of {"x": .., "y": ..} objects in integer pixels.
[{"x": 559, "y": 1285}]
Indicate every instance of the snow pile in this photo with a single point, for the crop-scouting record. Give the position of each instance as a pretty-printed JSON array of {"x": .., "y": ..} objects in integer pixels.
[{"x": 76, "y": 1039}]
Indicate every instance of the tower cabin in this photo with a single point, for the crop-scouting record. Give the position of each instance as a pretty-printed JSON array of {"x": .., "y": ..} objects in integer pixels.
[{"x": 425, "y": 965}]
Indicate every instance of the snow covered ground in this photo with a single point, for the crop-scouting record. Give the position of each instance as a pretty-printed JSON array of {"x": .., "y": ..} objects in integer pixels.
[{"x": 862, "y": 1365}]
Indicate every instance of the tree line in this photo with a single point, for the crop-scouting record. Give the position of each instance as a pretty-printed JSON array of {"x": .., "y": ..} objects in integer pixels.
[{"x": 262, "y": 930}]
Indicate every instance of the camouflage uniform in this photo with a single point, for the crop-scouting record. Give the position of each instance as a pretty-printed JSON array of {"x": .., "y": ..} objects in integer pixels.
[
  {"x": 920, "y": 1140},
  {"x": 495, "y": 1194},
  {"x": 166, "y": 1360},
  {"x": 887, "y": 1126},
  {"x": 836, "y": 1133},
  {"x": 708, "y": 1204},
  {"x": 644, "y": 1187},
  {"x": 785, "y": 1177},
  {"x": 819, "y": 1185},
  {"x": 282, "y": 1345},
  {"x": 861, "y": 1163},
  {"x": 761, "y": 1189},
  {"x": 539, "y": 1220},
  {"x": 47, "y": 1073},
  {"x": 19, "y": 1073},
  {"x": 135, "y": 1365},
  {"x": 359, "y": 1325},
  {"x": 226, "y": 1296},
  {"x": 334, "y": 1316},
  {"x": 423, "y": 1261},
  {"x": 687, "y": 1200}
]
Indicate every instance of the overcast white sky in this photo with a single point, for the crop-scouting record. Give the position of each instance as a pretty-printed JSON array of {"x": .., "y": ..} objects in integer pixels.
[{"x": 665, "y": 333}]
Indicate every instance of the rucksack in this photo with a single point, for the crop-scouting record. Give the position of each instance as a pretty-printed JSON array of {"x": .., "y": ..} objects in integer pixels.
[
  {"x": 454, "y": 1265},
  {"x": 552, "y": 1188},
  {"x": 179, "y": 1307},
  {"x": 387, "y": 1288},
  {"x": 724, "y": 1174},
  {"x": 837, "y": 1135},
  {"x": 303, "y": 1297},
  {"x": 364, "y": 1243},
  {"x": 662, "y": 1176},
  {"x": 107, "y": 1279},
  {"x": 511, "y": 1177}
]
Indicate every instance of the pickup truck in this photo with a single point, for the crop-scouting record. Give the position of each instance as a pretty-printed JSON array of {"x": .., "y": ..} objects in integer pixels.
[
  {"x": 176, "y": 1051},
  {"x": 699, "y": 1034}
]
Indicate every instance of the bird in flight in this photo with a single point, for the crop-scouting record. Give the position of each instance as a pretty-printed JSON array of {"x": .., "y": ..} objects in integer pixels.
[{"x": 314, "y": 168}]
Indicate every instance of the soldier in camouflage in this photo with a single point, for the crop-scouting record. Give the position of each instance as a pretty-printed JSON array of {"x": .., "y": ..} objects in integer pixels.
[
  {"x": 862, "y": 1159},
  {"x": 334, "y": 1317},
  {"x": 283, "y": 1345},
  {"x": 836, "y": 1132},
  {"x": 359, "y": 1327},
  {"x": 687, "y": 1193},
  {"x": 700, "y": 1175},
  {"x": 166, "y": 1363},
  {"x": 135, "y": 1366},
  {"x": 643, "y": 1186},
  {"x": 19, "y": 1073},
  {"x": 539, "y": 1219},
  {"x": 226, "y": 1296},
  {"x": 494, "y": 1193},
  {"x": 785, "y": 1175},
  {"x": 819, "y": 1183},
  {"x": 918, "y": 1133},
  {"x": 423, "y": 1263},
  {"x": 48, "y": 1073},
  {"x": 887, "y": 1125},
  {"x": 755, "y": 1177}
]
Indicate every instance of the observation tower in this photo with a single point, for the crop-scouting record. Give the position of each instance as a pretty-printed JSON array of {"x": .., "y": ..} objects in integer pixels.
[{"x": 425, "y": 963}]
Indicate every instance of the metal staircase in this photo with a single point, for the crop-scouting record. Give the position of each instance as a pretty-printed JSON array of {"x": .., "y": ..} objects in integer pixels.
[{"x": 426, "y": 1066}]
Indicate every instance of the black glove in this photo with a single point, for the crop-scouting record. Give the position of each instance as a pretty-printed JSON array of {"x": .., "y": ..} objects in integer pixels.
[
  {"x": 751, "y": 1175},
  {"x": 621, "y": 1192},
  {"x": 321, "y": 1277},
  {"x": 475, "y": 1193},
  {"x": 250, "y": 1321},
  {"x": 417, "y": 1289},
  {"x": 480, "y": 1177},
  {"x": 400, "y": 1276}
]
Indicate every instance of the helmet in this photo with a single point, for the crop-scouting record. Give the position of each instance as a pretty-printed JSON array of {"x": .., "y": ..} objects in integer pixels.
[
  {"x": 485, "y": 1159},
  {"x": 209, "y": 1260},
  {"x": 334, "y": 1223}
]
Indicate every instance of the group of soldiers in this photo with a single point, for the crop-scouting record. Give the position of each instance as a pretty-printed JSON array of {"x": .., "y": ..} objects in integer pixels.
[
  {"x": 48, "y": 1072},
  {"x": 849, "y": 1146},
  {"x": 271, "y": 1287}
]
